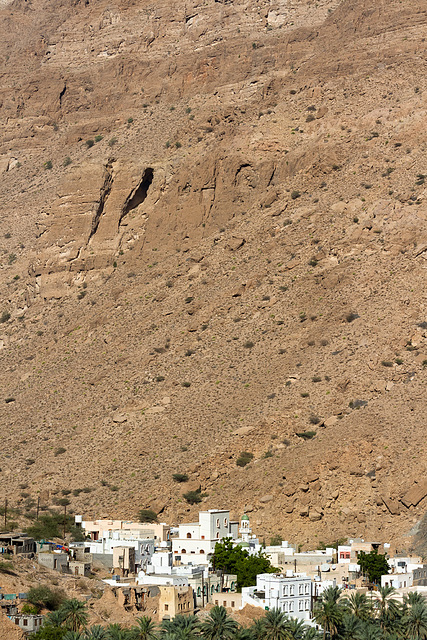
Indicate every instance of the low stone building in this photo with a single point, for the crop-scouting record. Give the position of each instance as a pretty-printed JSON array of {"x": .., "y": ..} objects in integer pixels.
[
  {"x": 28, "y": 622},
  {"x": 174, "y": 601},
  {"x": 53, "y": 560}
]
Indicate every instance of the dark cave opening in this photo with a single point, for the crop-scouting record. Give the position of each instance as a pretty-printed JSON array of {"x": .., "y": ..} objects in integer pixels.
[{"x": 138, "y": 196}]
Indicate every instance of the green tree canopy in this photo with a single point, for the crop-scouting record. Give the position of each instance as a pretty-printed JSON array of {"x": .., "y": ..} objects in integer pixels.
[
  {"x": 373, "y": 564},
  {"x": 234, "y": 559}
]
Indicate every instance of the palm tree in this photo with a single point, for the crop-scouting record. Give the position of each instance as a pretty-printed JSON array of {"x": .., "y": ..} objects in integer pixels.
[
  {"x": 181, "y": 627},
  {"x": 311, "y": 634},
  {"x": 415, "y": 621},
  {"x": 74, "y": 614},
  {"x": 387, "y": 607},
  {"x": 357, "y": 604},
  {"x": 73, "y": 635},
  {"x": 369, "y": 631},
  {"x": 96, "y": 633},
  {"x": 349, "y": 627},
  {"x": 116, "y": 632},
  {"x": 218, "y": 625},
  {"x": 328, "y": 612},
  {"x": 146, "y": 629},
  {"x": 277, "y": 625},
  {"x": 297, "y": 628},
  {"x": 257, "y": 629},
  {"x": 54, "y": 618}
]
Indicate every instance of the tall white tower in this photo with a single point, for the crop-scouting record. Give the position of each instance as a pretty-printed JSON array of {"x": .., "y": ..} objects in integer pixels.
[{"x": 245, "y": 530}]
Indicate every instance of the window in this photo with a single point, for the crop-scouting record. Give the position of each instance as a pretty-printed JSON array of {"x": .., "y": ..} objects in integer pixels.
[
  {"x": 183, "y": 551},
  {"x": 285, "y": 590},
  {"x": 216, "y": 601},
  {"x": 224, "y": 603},
  {"x": 201, "y": 550},
  {"x": 202, "y": 537},
  {"x": 232, "y": 604},
  {"x": 307, "y": 605},
  {"x": 199, "y": 592},
  {"x": 217, "y": 535},
  {"x": 300, "y": 589},
  {"x": 225, "y": 522},
  {"x": 188, "y": 535},
  {"x": 307, "y": 589},
  {"x": 217, "y": 523},
  {"x": 291, "y": 606},
  {"x": 25, "y": 622},
  {"x": 300, "y": 605},
  {"x": 291, "y": 590}
]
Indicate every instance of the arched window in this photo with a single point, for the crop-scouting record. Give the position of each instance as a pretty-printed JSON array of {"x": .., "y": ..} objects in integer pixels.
[
  {"x": 217, "y": 522},
  {"x": 183, "y": 551},
  {"x": 217, "y": 535},
  {"x": 188, "y": 535},
  {"x": 225, "y": 522},
  {"x": 201, "y": 551},
  {"x": 212, "y": 589},
  {"x": 199, "y": 592}
]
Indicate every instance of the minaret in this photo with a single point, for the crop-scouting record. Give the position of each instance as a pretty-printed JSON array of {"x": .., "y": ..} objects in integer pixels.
[{"x": 245, "y": 530}]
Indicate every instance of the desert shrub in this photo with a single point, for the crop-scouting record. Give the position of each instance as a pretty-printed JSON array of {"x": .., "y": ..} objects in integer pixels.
[
  {"x": 147, "y": 515},
  {"x": 249, "y": 344},
  {"x": 313, "y": 262},
  {"x": 399, "y": 361},
  {"x": 112, "y": 141},
  {"x": 268, "y": 454},
  {"x": 316, "y": 379},
  {"x": 66, "y": 161},
  {"x": 304, "y": 394},
  {"x": 159, "y": 378},
  {"x": 48, "y": 164},
  {"x": 180, "y": 477},
  {"x": 44, "y": 598},
  {"x": 98, "y": 138},
  {"x": 29, "y": 609},
  {"x": 244, "y": 458},
  {"x": 275, "y": 540},
  {"x": 186, "y": 384},
  {"x": 295, "y": 194},
  {"x": 5, "y": 316},
  {"x": 306, "y": 435},
  {"x": 114, "y": 487},
  {"x": 314, "y": 419},
  {"x": 89, "y": 143},
  {"x": 189, "y": 299},
  {"x": 59, "y": 451},
  {"x": 386, "y": 363},
  {"x": 66, "y": 492},
  {"x": 76, "y": 492},
  {"x": 130, "y": 120},
  {"x": 194, "y": 497},
  {"x": 190, "y": 352}
]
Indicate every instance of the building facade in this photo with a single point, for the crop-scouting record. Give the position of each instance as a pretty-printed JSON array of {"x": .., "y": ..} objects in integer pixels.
[{"x": 291, "y": 594}]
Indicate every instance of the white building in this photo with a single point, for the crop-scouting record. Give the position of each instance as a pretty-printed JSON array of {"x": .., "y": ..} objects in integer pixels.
[
  {"x": 401, "y": 564},
  {"x": 290, "y": 593},
  {"x": 196, "y": 541},
  {"x": 397, "y": 580}
]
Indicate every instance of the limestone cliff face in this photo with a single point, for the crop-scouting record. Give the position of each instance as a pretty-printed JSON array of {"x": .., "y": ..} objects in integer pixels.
[{"x": 214, "y": 234}]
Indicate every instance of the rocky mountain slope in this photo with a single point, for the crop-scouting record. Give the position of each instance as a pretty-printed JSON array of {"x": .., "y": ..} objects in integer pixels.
[{"x": 214, "y": 238}]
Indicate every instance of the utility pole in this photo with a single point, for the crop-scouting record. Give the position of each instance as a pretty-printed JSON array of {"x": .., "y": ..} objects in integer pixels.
[
  {"x": 38, "y": 507},
  {"x": 65, "y": 519},
  {"x": 5, "y": 513},
  {"x": 203, "y": 589}
]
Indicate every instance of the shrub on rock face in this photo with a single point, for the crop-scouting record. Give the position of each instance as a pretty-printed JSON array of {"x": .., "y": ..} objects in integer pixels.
[
  {"x": 194, "y": 497},
  {"x": 147, "y": 515},
  {"x": 244, "y": 458},
  {"x": 306, "y": 435},
  {"x": 180, "y": 477}
]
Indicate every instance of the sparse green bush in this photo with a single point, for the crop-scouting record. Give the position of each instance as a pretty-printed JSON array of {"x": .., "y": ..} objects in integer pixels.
[
  {"x": 186, "y": 384},
  {"x": 147, "y": 515},
  {"x": 66, "y": 161},
  {"x": 316, "y": 379},
  {"x": 48, "y": 164},
  {"x": 98, "y": 138},
  {"x": 59, "y": 451},
  {"x": 386, "y": 363},
  {"x": 194, "y": 497},
  {"x": 295, "y": 194},
  {"x": 306, "y": 435},
  {"x": 244, "y": 458},
  {"x": 112, "y": 141},
  {"x": 89, "y": 143},
  {"x": 248, "y": 344},
  {"x": 180, "y": 477},
  {"x": 44, "y": 598},
  {"x": 314, "y": 419}
]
